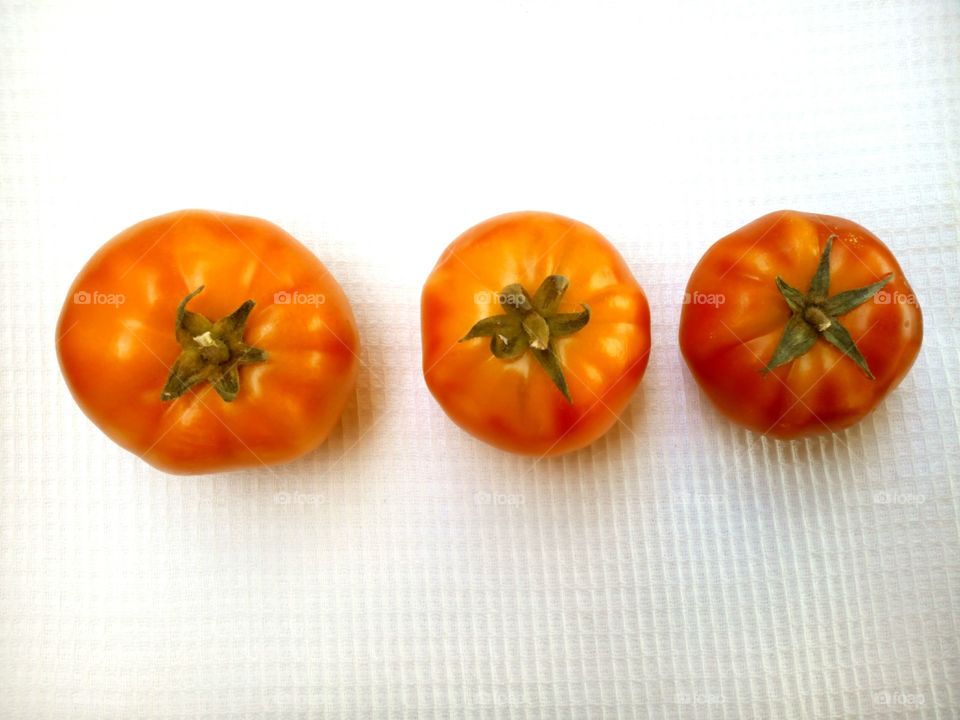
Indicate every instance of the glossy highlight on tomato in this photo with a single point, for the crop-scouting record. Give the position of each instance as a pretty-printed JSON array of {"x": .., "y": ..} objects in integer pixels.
[
  {"x": 535, "y": 333},
  {"x": 204, "y": 341},
  {"x": 799, "y": 324}
]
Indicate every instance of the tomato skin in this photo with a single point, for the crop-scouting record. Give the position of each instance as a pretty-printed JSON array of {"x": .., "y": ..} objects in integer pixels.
[
  {"x": 116, "y": 356},
  {"x": 727, "y": 344},
  {"x": 513, "y": 404}
]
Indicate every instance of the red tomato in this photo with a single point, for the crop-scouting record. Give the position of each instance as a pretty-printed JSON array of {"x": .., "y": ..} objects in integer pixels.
[
  {"x": 535, "y": 333},
  {"x": 799, "y": 324},
  {"x": 203, "y": 341}
]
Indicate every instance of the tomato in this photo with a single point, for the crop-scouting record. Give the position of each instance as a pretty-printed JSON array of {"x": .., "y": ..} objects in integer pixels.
[
  {"x": 799, "y": 324},
  {"x": 203, "y": 341},
  {"x": 535, "y": 333}
]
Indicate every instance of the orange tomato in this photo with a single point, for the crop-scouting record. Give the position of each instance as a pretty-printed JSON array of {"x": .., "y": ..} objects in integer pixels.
[
  {"x": 798, "y": 324},
  {"x": 535, "y": 333},
  {"x": 255, "y": 369}
]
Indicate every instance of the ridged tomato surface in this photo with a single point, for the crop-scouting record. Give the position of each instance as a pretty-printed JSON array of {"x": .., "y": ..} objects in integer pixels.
[
  {"x": 513, "y": 403},
  {"x": 117, "y": 342},
  {"x": 734, "y": 317}
]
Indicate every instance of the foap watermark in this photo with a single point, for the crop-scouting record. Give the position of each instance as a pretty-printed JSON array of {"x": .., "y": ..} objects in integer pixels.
[
  {"x": 703, "y": 498},
  {"x": 898, "y": 698},
  {"x": 482, "y": 497},
  {"x": 501, "y": 697},
  {"x": 891, "y": 497},
  {"x": 682, "y": 502},
  {"x": 700, "y": 698},
  {"x": 699, "y": 298},
  {"x": 299, "y": 498},
  {"x": 499, "y": 298},
  {"x": 886, "y": 297},
  {"x": 284, "y": 297},
  {"x": 95, "y": 297}
]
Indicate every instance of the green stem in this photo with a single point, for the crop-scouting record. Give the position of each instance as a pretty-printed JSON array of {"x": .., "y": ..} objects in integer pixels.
[
  {"x": 532, "y": 324},
  {"x": 210, "y": 351},
  {"x": 816, "y": 315}
]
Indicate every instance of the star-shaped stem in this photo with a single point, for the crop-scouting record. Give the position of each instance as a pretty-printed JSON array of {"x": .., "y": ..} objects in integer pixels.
[
  {"x": 816, "y": 315},
  {"x": 532, "y": 324},
  {"x": 210, "y": 351}
]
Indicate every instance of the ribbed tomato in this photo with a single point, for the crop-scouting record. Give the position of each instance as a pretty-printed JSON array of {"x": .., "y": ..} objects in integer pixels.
[
  {"x": 203, "y": 341},
  {"x": 799, "y": 323},
  {"x": 535, "y": 333}
]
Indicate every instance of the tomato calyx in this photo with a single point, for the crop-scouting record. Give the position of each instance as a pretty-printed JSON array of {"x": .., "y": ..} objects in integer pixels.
[
  {"x": 211, "y": 351},
  {"x": 815, "y": 314},
  {"x": 532, "y": 323}
]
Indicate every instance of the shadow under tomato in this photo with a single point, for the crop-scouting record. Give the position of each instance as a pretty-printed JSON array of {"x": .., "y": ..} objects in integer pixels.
[
  {"x": 598, "y": 472},
  {"x": 360, "y": 422}
]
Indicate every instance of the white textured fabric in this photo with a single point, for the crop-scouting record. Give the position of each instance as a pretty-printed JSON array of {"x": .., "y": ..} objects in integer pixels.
[{"x": 680, "y": 567}]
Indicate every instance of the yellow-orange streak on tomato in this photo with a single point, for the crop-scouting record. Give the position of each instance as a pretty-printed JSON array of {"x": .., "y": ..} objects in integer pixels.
[
  {"x": 116, "y": 359},
  {"x": 514, "y": 405},
  {"x": 726, "y": 345}
]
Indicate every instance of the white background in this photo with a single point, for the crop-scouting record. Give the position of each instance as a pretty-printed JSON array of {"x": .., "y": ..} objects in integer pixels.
[{"x": 680, "y": 567}]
